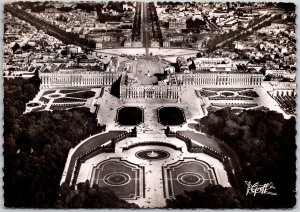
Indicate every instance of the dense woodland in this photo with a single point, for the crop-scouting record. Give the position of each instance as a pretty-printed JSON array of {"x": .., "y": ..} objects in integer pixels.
[
  {"x": 36, "y": 146},
  {"x": 212, "y": 197},
  {"x": 265, "y": 145},
  {"x": 86, "y": 196}
]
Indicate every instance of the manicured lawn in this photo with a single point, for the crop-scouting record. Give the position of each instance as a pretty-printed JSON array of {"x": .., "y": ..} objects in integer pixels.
[
  {"x": 226, "y": 93},
  {"x": 71, "y": 90},
  {"x": 61, "y": 100},
  {"x": 48, "y": 92},
  {"x": 249, "y": 93},
  {"x": 84, "y": 94}
]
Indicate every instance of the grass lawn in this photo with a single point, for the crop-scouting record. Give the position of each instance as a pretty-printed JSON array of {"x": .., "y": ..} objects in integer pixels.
[{"x": 84, "y": 94}]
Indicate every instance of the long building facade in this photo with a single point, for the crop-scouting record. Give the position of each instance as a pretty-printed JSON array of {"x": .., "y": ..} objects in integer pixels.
[
  {"x": 77, "y": 79},
  {"x": 132, "y": 90},
  {"x": 221, "y": 78},
  {"x": 171, "y": 91},
  {"x": 136, "y": 90},
  {"x": 91, "y": 78},
  {"x": 149, "y": 91}
]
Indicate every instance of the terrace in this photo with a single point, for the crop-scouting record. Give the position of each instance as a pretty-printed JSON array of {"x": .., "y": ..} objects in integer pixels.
[{"x": 141, "y": 172}]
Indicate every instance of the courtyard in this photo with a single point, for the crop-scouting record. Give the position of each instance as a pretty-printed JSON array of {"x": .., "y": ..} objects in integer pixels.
[{"x": 145, "y": 71}]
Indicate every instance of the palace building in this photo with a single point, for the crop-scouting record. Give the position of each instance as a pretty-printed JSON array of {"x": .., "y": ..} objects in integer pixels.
[
  {"x": 216, "y": 71},
  {"x": 207, "y": 71},
  {"x": 79, "y": 76},
  {"x": 149, "y": 91},
  {"x": 134, "y": 89},
  {"x": 222, "y": 78},
  {"x": 77, "y": 79}
]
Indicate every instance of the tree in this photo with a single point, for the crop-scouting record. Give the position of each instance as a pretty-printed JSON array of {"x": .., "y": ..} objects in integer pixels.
[
  {"x": 212, "y": 197},
  {"x": 90, "y": 197},
  {"x": 264, "y": 146}
]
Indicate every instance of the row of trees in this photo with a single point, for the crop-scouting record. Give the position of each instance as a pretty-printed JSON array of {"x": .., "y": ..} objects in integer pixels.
[
  {"x": 156, "y": 31},
  {"x": 36, "y": 146},
  {"x": 136, "y": 29},
  {"x": 230, "y": 36}
]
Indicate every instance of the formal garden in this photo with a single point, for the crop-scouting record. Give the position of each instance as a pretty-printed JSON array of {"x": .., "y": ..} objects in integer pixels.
[{"x": 63, "y": 99}]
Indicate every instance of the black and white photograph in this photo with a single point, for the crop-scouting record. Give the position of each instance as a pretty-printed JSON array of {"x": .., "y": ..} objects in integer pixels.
[{"x": 149, "y": 104}]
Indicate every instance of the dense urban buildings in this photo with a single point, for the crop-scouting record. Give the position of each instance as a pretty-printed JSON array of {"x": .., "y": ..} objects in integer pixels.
[{"x": 149, "y": 104}]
